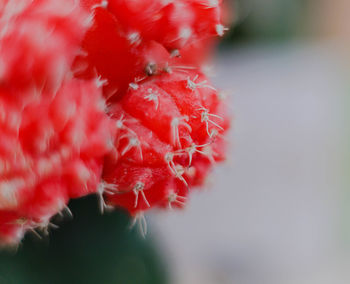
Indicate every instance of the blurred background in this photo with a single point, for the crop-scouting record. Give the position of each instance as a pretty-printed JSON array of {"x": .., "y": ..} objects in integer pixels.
[{"x": 278, "y": 211}]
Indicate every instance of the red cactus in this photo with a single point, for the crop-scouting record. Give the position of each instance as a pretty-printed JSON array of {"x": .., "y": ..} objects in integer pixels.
[
  {"x": 157, "y": 136},
  {"x": 52, "y": 150},
  {"x": 129, "y": 39},
  {"x": 171, "y": 23},
  {"x": 54, "y": 129},
  {"x": 169, "y": 135},
  {"x": 38, "y": 42}
]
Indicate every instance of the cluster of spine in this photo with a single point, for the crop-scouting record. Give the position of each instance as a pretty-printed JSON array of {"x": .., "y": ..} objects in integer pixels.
[
  {"x": 54, "y": 132},
  {"x": 104, "y": 97}
]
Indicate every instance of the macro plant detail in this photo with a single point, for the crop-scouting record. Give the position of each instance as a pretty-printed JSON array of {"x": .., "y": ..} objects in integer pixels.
[{"x": 107, "y": 98}]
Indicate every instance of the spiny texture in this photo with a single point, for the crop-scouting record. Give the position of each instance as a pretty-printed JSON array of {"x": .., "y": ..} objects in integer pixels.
[
  {"x": 38, "y": 42},
  {"x": 133, "y": 39},
  {"x": 172, "y": 23},
  {"x": 51, "y": 151},
  {"x": 170, "y": 134},
  {"x": 54, "y": 130},
  {"x": 170, "y": 120},
  {"x": 107, "y": 98}
]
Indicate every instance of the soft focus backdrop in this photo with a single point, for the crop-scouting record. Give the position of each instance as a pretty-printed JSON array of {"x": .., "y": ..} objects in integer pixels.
[{"x": 278, "y": 211}]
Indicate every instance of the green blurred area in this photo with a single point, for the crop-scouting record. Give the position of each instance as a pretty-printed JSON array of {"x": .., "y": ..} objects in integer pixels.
[
  {"x": 90, "y": 248},
  {"x": 267, "y": 20}
]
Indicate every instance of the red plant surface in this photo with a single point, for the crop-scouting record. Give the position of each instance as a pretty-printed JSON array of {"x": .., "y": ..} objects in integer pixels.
[
  {"x": 105, "y": 97},
  {"x": 169, "y": 136}
]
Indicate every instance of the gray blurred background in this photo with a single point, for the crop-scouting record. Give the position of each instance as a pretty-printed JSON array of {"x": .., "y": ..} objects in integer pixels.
[{"x": 279, "y": 210}]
